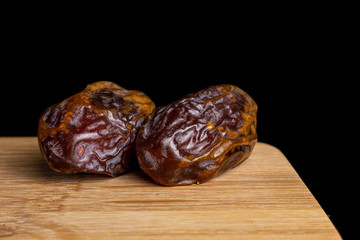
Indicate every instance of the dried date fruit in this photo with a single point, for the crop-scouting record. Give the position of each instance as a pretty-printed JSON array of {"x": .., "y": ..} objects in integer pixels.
[
  {"x": 94, "y": 131},
  {"x": 198, "y": 137}
]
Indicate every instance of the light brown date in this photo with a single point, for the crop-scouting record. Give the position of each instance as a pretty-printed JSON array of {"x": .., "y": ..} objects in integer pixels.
[{"x": 94, "y": 131}]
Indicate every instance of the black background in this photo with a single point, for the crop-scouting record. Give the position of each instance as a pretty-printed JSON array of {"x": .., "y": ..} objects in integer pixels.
[{"x": 295, "y": 73}]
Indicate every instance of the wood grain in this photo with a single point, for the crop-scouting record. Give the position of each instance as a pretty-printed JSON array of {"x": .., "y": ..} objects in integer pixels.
[{"x": 262, "y": 198}]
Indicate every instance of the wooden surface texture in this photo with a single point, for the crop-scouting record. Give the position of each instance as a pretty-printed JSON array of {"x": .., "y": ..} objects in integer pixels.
[{"x": 262, "y": 198}]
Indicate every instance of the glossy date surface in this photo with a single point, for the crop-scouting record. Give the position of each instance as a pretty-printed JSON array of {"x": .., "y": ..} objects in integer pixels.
[
  {"x": 94, "y": 131},
  {"x": 198, "y": 137}
]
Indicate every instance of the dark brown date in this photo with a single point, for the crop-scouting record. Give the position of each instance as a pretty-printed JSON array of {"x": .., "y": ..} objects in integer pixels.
[
  {"x": 94, "y": 131},
  {"x": 198, "y": 137}
]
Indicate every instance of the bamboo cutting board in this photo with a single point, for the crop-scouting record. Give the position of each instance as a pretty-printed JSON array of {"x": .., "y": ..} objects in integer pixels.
[{"x": 262, "y": 198}]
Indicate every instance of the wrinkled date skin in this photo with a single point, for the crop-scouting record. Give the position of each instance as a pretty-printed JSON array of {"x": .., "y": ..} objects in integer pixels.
[
  {"x": 198, "y": 137},
  {"x": 94, "y": 131}
]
